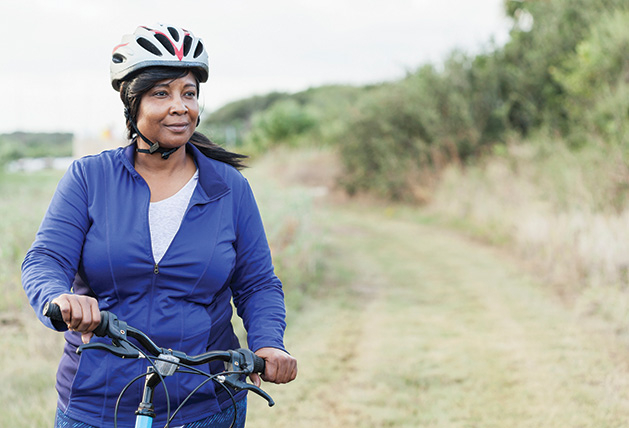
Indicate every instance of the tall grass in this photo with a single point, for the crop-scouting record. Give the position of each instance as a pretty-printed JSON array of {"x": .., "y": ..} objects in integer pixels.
[
  {"x": 563, "y": 211},
  {"x": 287, "y": 212},
  {"x": 29, "y": 353},
  {"x": 23, "y": 201}
]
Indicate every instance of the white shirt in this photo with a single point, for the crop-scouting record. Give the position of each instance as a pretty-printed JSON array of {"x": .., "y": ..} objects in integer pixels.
[{"x": 165, "y": 217}]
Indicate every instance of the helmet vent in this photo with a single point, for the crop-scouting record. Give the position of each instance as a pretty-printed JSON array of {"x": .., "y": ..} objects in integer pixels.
[
  {"x": 149, "y": 46},
  {"x": 118, "y": 59},
  {"x": 187, "y": 43},
  {"x": 166, "y": 43},
  {"x": 173, "y": 33},
  {"x": 199, "y": 50}
]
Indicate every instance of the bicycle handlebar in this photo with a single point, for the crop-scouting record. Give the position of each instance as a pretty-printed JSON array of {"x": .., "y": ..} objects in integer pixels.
[{"x": 243, "y": 360}]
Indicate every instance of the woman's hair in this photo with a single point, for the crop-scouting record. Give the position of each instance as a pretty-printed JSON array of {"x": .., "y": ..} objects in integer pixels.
[{"x": 137, "y": 84}]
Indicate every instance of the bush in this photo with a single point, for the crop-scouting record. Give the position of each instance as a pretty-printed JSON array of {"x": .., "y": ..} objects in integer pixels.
[
  {"x": 403, "y": 133},
  {"x": 281, "y": 123},
  {"x": 595, "y": 79},
  {"x": 34, "y": 145}
]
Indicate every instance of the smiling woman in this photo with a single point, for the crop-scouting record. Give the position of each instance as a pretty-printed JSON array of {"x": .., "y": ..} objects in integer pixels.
[
  {"x": 165, "y": 118},
  {"x": 164, "y": 233},
  {"x": 169, "y": 112}
]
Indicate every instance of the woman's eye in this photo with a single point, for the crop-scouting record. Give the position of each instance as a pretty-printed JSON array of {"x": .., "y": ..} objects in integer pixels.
[{"x": 159, "y": 93}]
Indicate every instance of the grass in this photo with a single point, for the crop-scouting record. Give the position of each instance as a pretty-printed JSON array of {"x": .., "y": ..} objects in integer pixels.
[
  {"x": 28, "y": 369},
  {"x": 420, "y": 328},
  {"x": 25, "y": 198},
  {"x": 562, "y": 211}
]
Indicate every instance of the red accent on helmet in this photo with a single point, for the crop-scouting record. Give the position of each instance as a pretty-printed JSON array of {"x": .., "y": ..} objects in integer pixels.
[
  {"x": 178, "y": 51},
  {"x": 119, "y": 46}
]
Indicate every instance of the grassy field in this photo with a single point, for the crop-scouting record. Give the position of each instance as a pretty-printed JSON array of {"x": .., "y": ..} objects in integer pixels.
[
  {"x": 563, "y": 212},
  {"x": 419, "y": 326},
  {"x": 395, "y": 320},
  {"x": 29, "y": 352}
]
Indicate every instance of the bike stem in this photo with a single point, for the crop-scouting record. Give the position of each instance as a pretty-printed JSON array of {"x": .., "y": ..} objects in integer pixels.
[{"x": 146, "y": 410}]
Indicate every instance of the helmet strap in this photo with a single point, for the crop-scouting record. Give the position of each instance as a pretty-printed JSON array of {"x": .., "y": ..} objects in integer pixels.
[{"x": 154, "y": 147}]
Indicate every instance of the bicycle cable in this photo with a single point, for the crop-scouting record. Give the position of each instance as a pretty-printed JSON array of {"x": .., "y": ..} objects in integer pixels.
[
  {"x": 190, "y": 370},
  {"x": 210, "y": 378},
  {"x": 128, "y": 385}
]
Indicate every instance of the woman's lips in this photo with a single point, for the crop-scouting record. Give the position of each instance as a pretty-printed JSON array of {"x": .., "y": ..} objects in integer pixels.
[{"x": 177, "y": 127}]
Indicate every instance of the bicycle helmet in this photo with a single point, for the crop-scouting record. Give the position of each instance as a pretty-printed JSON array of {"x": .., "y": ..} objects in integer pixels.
[{"x": 160, "y": 45}]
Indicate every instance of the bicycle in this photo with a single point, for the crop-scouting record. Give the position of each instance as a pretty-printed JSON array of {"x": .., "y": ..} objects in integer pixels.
[{"x": 167, "y": 362}]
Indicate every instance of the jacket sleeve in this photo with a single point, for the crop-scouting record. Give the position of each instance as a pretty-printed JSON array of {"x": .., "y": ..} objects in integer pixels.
[
  {"x": 257, "y": 291},
  {"x": 52, "y": 261}
]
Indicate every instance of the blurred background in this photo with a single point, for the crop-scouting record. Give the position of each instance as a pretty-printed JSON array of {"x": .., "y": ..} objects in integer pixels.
[
  {"x": 254, "y": 48},
  {"x": 457, "y": 171}
]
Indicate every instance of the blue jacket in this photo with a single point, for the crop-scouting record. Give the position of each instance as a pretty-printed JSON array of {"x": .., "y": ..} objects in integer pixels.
[{"x": 95, "y": 240}]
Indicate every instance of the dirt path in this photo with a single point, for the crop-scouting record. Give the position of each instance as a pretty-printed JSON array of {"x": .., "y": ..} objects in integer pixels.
[{"x": 422, "y": 327}]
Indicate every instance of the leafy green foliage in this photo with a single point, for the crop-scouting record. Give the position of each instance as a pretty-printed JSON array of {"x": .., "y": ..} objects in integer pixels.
[
  {"x": 595, "y": 79},
  {"x": 34, "y": 145},
  {"x": 284, "y": 121},
  {"x": 257, "y": 123},
  {"x": 563, "y": 72}
]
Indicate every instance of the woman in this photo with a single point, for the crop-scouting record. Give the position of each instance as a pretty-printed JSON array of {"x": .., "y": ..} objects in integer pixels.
[{"x": 163, "y": 233}]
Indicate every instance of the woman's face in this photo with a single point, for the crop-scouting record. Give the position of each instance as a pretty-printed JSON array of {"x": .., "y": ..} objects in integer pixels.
[{"x": 168, "y": 112}]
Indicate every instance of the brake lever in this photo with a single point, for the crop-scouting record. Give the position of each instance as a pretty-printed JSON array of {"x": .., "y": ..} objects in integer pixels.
[
  {"x": 117, "y": 330},
  {"x": 233, "y": 380},
  {"x": 118, "y": 348},
  {"x": 242, "y": 362}
]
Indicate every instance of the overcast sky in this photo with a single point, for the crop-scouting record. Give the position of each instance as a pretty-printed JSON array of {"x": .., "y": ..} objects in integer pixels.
[{"x": 54, "y": 55}]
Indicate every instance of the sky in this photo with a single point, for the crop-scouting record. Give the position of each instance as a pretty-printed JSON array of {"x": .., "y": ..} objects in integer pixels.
[{"x": 54, "y": 55}]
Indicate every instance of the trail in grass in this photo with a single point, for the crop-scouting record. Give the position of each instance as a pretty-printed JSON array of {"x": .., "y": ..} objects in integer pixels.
[{"x": 417, "y": 326}]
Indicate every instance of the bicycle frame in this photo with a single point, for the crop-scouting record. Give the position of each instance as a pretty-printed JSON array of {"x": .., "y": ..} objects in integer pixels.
[{"x": 142, "y": 421}]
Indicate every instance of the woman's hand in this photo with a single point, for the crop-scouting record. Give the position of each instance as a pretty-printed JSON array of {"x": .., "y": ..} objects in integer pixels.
[
  {"x": 279, "y": 367},
  {"x": 80, "y": 313}
]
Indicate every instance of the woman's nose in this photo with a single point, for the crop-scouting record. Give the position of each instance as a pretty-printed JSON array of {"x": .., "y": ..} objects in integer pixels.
[{"x": 178, "y": 106}]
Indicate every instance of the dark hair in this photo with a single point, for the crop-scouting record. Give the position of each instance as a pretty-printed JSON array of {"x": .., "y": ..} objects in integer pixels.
[{"x": 137, "y": 84}]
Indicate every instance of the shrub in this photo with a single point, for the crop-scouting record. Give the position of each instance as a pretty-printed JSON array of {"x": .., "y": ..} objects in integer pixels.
[
  {"x": 281, "y": 123},
  {"x": 595, "y": 79}
]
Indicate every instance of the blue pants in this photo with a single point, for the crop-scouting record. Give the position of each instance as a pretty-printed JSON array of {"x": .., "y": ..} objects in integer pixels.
[{"x": 219, "y": 420}]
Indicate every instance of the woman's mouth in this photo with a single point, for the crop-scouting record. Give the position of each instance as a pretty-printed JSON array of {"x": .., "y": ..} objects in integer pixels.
[{"x": 177, "y": 127}]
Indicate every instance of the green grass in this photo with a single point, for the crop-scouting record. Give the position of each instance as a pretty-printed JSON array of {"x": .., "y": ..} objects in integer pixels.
[
  {"x": 29, "y": 352},
  {"x": 24, "y": 200},
  {"x": 421, "y": 328},
  {"x": 562, "y": 211}
]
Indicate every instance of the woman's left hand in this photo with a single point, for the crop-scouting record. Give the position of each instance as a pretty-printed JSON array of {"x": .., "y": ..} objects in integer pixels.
[{"x": 280, "y": 367}]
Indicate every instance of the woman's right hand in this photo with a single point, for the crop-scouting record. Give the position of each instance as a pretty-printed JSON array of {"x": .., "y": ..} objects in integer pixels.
[{"x": 80, "y": 313}]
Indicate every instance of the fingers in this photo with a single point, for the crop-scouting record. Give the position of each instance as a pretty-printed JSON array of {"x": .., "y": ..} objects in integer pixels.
[
  {"x": 80, "y": 313},
  {"x": 255, "y": 379},
  {"x": 95, "y": 312},
  {"x": 280, "y": 366},
  {"x": 86, "y": 337}
]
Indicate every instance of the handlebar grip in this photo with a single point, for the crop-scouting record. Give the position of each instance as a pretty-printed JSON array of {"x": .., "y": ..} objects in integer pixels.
[
  {"x": 258, "y": 364},
  {"x": 103, "y": 327},
  {"x": 52, "y": 311}
]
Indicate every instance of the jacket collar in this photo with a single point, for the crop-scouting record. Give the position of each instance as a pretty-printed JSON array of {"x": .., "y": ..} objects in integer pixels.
[{"x": 211, "y": 187}]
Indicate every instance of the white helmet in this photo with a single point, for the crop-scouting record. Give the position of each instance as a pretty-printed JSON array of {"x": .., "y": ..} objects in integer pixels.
[{"x": 161, "y": 45}]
